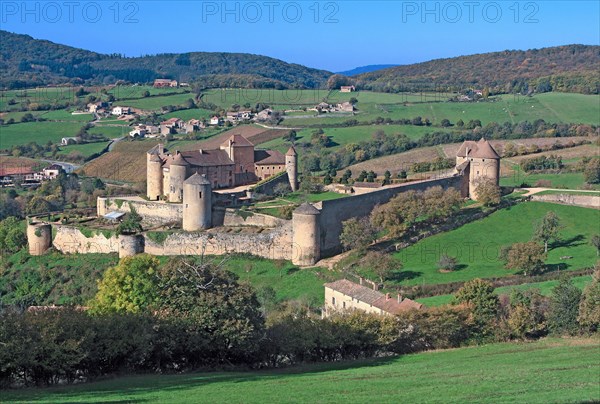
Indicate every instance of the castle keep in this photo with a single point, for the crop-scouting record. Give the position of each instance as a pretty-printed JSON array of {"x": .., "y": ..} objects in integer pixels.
[
  {"x": 189, "y": 184},
  {"x": 235, "y": 163}
]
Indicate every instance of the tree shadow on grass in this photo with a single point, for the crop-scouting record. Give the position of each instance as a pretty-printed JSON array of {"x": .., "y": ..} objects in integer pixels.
[
  {"x": 400, "y": 276},
  {"x": 569, "y": 242},
  {"x": 133, "y": 388}
]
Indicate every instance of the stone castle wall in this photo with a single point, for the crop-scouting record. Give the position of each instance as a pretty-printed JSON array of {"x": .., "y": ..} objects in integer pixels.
[
  {"x": 273, "y": 244},
  {"x": 334, "y": 212},
  {"x": 151, "y": 212},
  {"x": 587, "y": 201},
  {"x": 70, "y": 240}
]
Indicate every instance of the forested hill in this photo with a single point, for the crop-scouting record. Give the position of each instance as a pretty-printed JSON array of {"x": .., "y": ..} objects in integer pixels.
[
  {"x": 570, "y": 68},
  {"x": 27, "y": 62}
]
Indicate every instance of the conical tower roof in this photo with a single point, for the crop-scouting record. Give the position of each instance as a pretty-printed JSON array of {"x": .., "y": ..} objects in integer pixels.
[
  {"x": 485, "y": 150},
  {"x": 197, "y": 179},
  {"x": 179, "y": 161},
  {"x": 155, "y": 159},
  {"x": 291, "y": 151},
  {"x": 307, "y": 209}
]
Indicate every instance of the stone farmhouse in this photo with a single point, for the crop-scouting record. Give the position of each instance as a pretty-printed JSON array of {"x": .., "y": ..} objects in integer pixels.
[
  {"x": 347, "y": 89},
  {"x": 161, "y": 83},
  {"x": 344, "y": 295}
]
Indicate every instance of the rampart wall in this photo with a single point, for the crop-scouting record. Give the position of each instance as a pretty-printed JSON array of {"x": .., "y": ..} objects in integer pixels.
[
  {"x": 334, "y": 212},
  {"x": 587, "y": 201}
]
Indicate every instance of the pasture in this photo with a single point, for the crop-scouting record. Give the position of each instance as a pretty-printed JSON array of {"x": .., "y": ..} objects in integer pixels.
[
  {"x": 477, "y": 252},
  {"x": 545, "y": 289},
  {"x": 549, "y": 370}
]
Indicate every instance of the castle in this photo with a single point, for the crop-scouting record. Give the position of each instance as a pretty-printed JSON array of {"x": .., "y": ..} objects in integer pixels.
[
  {"x": 235, "y": 163},
  {"x": 187, "y": 181}
]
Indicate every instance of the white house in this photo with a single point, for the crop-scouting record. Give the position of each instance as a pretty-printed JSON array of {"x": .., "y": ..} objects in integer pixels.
[{"x": 121, "y": 111}]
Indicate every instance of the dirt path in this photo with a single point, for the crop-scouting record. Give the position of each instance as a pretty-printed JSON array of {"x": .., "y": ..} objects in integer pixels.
[{"x": 533, "y": 191}]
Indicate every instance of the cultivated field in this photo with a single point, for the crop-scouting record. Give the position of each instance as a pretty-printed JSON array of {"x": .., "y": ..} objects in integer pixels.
[{"x": 550, "y": 370}]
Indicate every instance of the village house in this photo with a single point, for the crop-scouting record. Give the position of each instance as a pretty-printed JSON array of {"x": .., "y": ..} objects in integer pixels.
[
  {"x": 344, "y": 295},
  {"x": 345, "y": 107},
  {"x": 161, "y": 83},
  {"x": 264, "y": 115},
  {"x": 65, "y": 141},
  {"x": 347, "y": 89},
  {"x": 215, "y": 120},
  {"x": 52, "y": 171},
  {"x": 193, "y": 125},
  {"x": 96, "y": 106},
  {"x": 148, "y": 131},
  {"x": 121, "y": 111},
  {"x": 171, "y": 125}
]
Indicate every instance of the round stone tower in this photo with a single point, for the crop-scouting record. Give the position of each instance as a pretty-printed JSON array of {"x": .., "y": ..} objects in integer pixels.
[
  {"x": 306, "y": 237},
  {"x": 484, "y": 164},
  {"x": 39, "y": 238},
  {"x": 154, "y": 177},
  {"x": 177, "y": 175},
  {"x": 197, "y": 203},
  {"x": 291, "y": 166},
  {"x": 130, "y": 245}
]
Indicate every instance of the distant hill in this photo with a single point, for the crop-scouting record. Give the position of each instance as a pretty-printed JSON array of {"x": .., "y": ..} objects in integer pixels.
[
  {"x": 570, "y": 68},
  {"x": 365, "y": 69},
  {"x": 28, "y": 62}
]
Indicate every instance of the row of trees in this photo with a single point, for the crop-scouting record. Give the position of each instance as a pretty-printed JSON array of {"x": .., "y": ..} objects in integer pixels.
[{"x": 186, "y": 315}]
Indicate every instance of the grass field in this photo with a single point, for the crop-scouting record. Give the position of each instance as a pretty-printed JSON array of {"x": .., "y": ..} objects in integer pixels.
[
  {"x": 135, "y": 91},
  {"x": 39, "y": 132},
  {"x": 477, "y": 250},
  {"x": 562, "y": 180},
  {"x": 545, "y": 289},
  {"x": 550, "y": 370},
  {"x": 155, "y": 103},
  {"x": 288, "y": 281}
]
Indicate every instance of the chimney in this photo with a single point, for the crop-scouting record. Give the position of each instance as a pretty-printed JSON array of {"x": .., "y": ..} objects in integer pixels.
[
  {"x": 387, "y": 297},
  {"x": 361, "y": 280},
  {"x": 399, "y": 298}
]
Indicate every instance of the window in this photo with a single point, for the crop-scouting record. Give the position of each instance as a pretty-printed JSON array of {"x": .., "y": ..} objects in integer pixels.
[
  {"x": 200, "y": 195},
  {"x": 477, "y": 172},
  {"x": 186, "y": 205},
  {"x": 344, "y": 305},
  {"x": 333, "y": 301}
]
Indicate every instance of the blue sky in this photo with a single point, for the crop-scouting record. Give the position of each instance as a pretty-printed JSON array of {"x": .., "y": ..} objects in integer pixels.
[{"x": 332, "y": 35}]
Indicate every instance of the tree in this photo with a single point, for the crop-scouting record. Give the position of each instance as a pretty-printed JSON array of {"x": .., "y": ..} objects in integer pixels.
[
  {"x": 146, "y": 94},
  {"x": 589, "y": 308},
  {"x": 445, "y": 123},
  {"x": 487, "y": 192},
  {"x": 447, "y": 263},
  {"x": 381, "y": 264},
  {"x": 595, "y": 241},
  {"x": 527, "y": 316},
  {"x": 129, "y": 287},
  {"x": 528, "y": 257},
  {"x": 564, "y": 307},
  {"x": 480, "y": 294},
  {"x": 132, "y": 223},
  {"x": 12, "y": 235},
  {"x": 387, "y": 176},
  {"x": 591, "y": 172},
  {"x": 547, "y": 229},
  {"x": 223, "y": 317},
  {"x": 291, "y": 136},
  {"x": 357, "y": 233}
]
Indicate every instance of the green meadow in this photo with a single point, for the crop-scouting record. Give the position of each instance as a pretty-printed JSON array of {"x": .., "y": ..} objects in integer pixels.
[
  {"x": 563, "y": 180},
  {"x": 39, "y": 132},
  {"x": 545, "y": 289},
  {"x": 476, "y": 245},
  {"x": 549, "y": 370}
]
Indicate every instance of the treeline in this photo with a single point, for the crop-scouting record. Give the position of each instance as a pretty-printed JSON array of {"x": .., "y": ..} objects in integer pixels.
[
  {"x": 564, "y": 68},
  {"x": 28, "y": 62},
  {"x": 317, "y": 156},
  {"x": 44, "y": 346}
]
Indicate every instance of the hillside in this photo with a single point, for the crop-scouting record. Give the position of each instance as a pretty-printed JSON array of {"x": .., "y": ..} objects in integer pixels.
[
  {"x": 571, "y": 68},
  {"x": 29, "y": 62},
  {"x": 507, "y": 372},
  {"x": 365, "y": 69}
]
